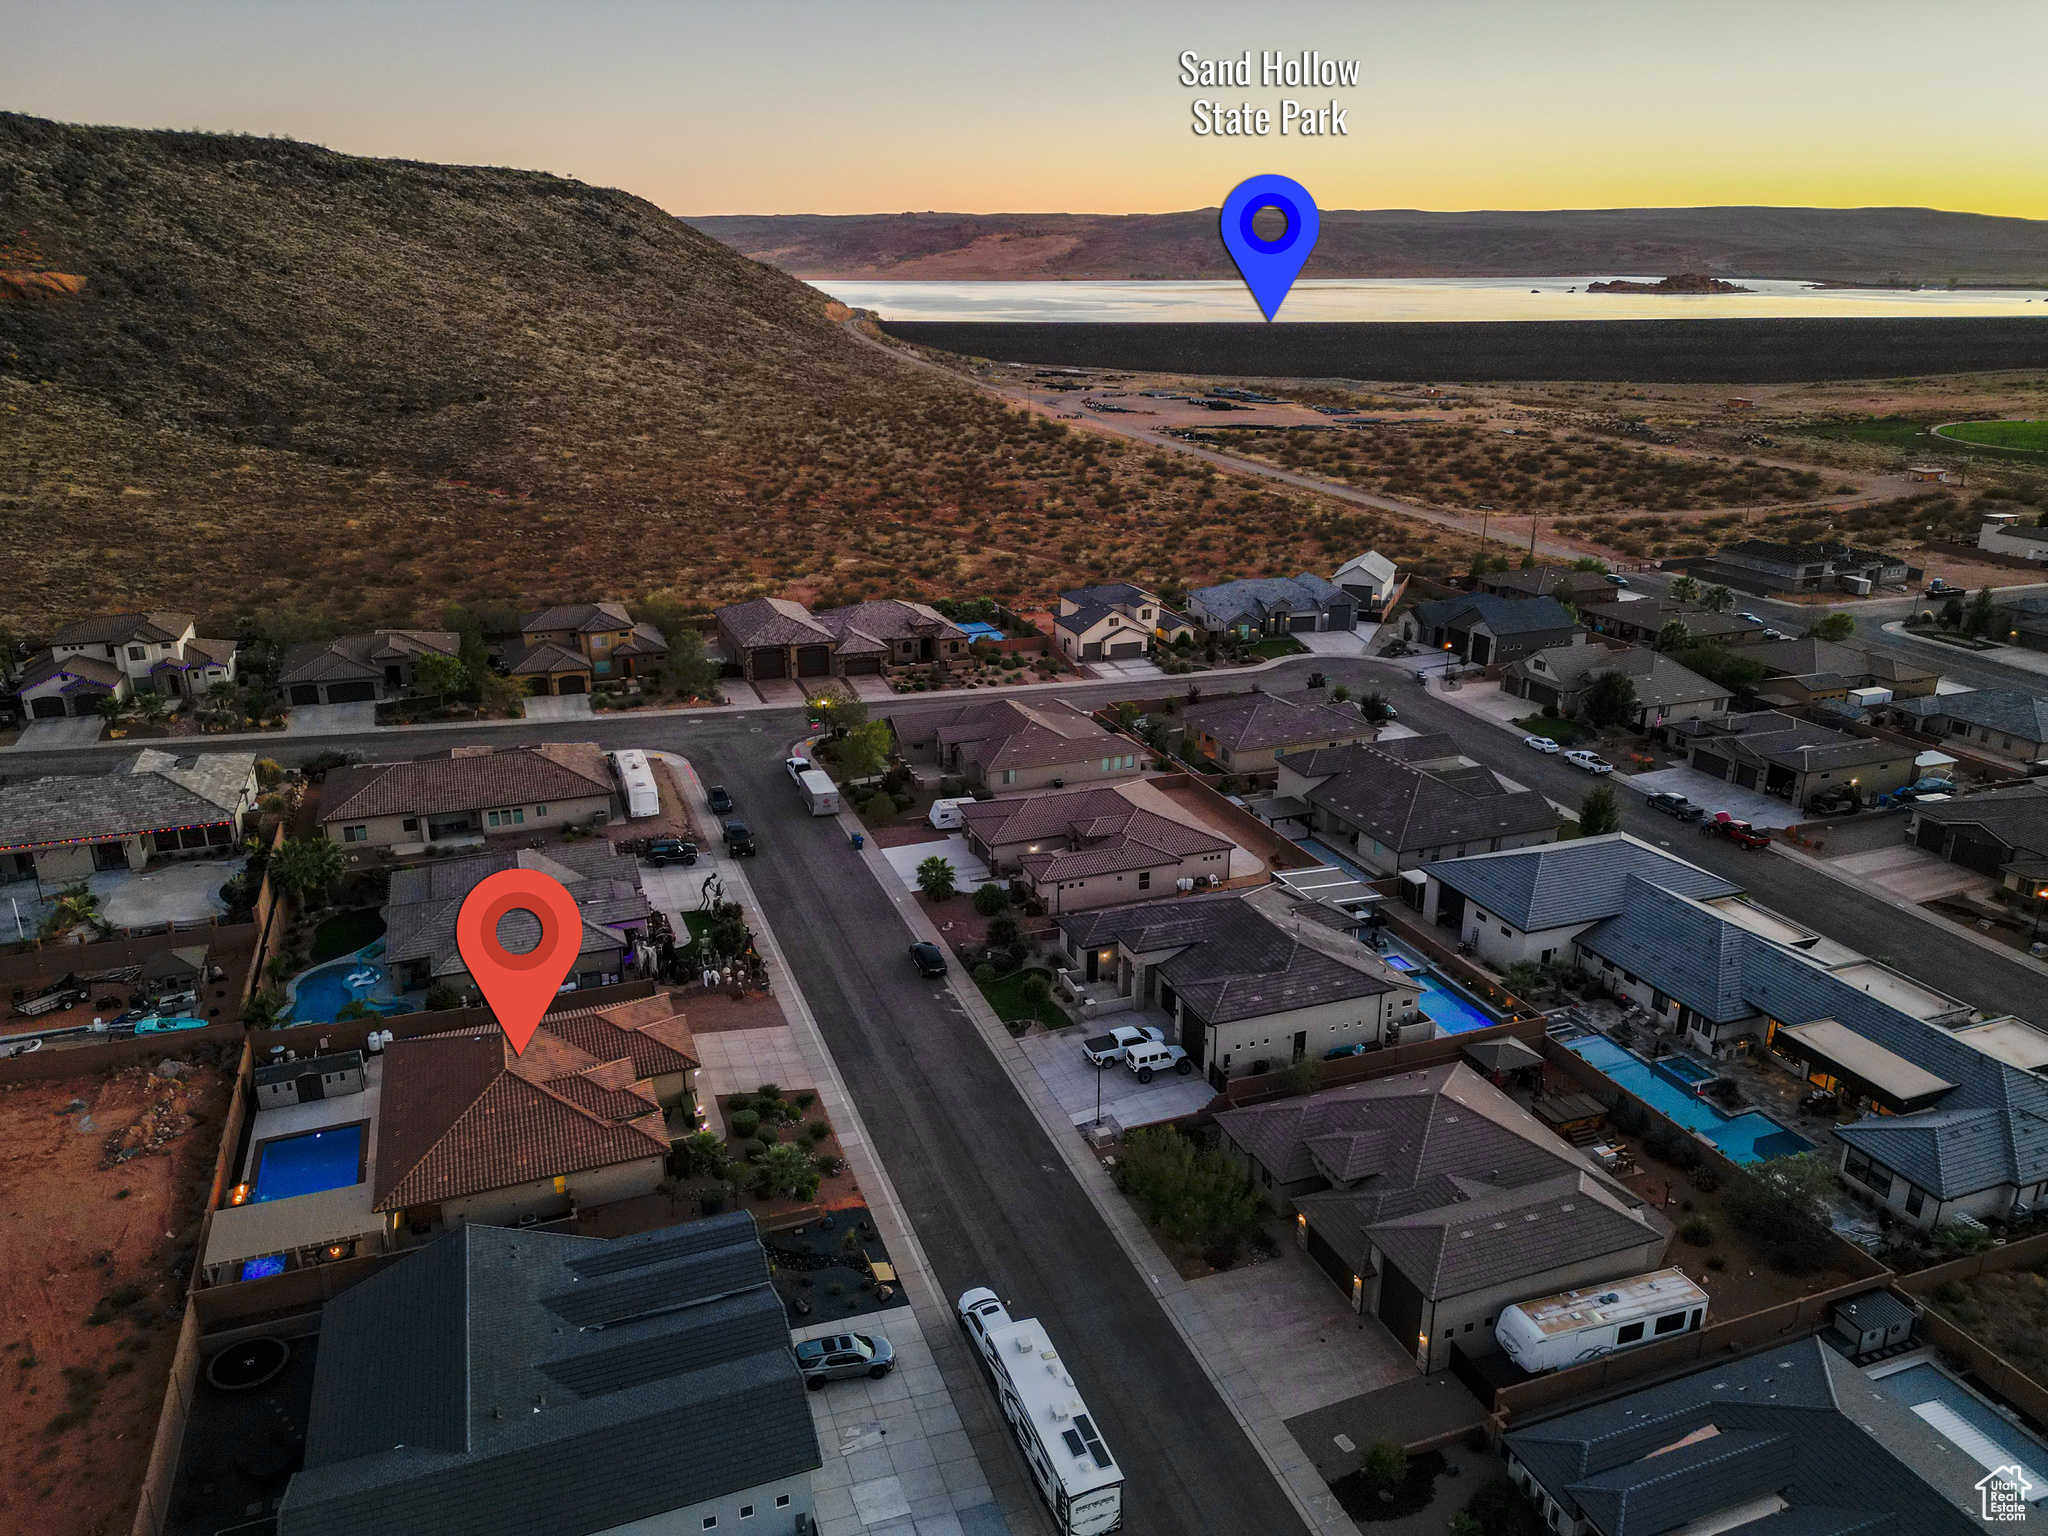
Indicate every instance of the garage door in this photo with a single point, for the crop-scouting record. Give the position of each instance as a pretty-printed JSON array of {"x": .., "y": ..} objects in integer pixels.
[
  {"x": 1091, "y": 650},
  {"x": 863, "y": 666},
  {"x": 1931, "y": 836},
  {"x": 813, "y": 661},
  {"x": 571, "y": 684},
  {"x": 769, "y": 663},
  {"x": 350, "y": 693},
  {"x": 1341, "y": 617},
  {"x": 305, "y": 693},
  {"x": 1709, "y": 764},
  {"x": 1978, "y": 850},
  {"x": 47, "y": 709},
  {"x": 1745, "y": 778},
  {"x": 1128, "y": 648},
  {"x": 1305, "y": 622}
]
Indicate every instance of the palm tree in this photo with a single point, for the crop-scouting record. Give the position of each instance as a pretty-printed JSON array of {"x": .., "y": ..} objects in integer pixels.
[
  {"x": 1686, "y": 589},
  {"x": 156, "y": 709},
  {"x": 1717, "y": 599},
  {"x": 111, "y": 707}
]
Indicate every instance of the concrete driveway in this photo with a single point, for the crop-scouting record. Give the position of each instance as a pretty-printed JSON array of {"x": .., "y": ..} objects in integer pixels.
[
  {"x": 558, "y": 706},
  {"x": 1704, "y": 790},
  {"x": 1912, "y": 874},
  {"x": 170, "y": 893},
  {"x": 968, "y": 871},
  {"x": 1074, "y": 1080},
  {"x": 331, "y": 719},
  {"x": 54, "y": 735},
  {"x": 1341, "y": 642}
]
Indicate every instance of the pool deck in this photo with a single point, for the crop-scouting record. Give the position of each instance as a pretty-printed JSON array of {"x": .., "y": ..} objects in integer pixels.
[
  {"x": 1742, "y": 1137},
  {"x": 294, "y": 1119}
]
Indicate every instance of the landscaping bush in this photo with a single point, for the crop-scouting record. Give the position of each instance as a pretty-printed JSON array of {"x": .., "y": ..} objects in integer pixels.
[
  {"x": 1500, "y": 1510},
  {"x": 1018, "y": 953},
  {"x": 1383, "y": 1465},
  {"x": 786, "y": 1170},
  {"x": 1782, "y": 1204},
  {"x": 1003, "y": 931},
  {"x": 984, "y": 973},
  {"x": 990, "y": 898},
  {"x": 1035, "y": 990},
  {"x": 768, "y": 1091},
  {"x": 768, "y": 1136},
  {"x": 804, "y": 1101},
  {"x": 1190, "y": 1194},
  {"x": 1699, "y": 1232},
  {"x": 818, "y": 1130},
  {"x": 745, "y": 1124}
]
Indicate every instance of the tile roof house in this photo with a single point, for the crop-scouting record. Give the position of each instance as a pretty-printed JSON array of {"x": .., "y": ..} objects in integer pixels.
[
  {"x": 2005, "y": 722},
  {"x": 1113, "y": 620},
  {"x": 420, "y": 912},
  {"x": 1399, "y": 803},
  {"x": 1482, "y": 629},
  {"x": 155, "y": 652},
  {"x": 541, "y": 1384},
  {"x": 357, "y": 668},
  {"x": 1247, "y": 732},
  {"x": 2001, "y": 832},
  {"x": 1433, "y": 1200},
  {"x": 1007, "y": 744},
  {"x": 470, "y": 1130},
  {"x": 155, "y": 805},
  {"x": 467, "y": 792},
  {"x": 1091, "y": 847},
  {"x": 602, "y": 634},
  {"x": 1642, "y": 621},
  {"x": 549, "y": 667},
  {"x": 1791, "y": 1439},
  {"x": 1796, "y": 760},
  {"x": 771, "y": 638},
  {"x": 1273, "y": 605},
  {"x": 1665, "y": 691},
  {"x": 1245, "y": 978}
]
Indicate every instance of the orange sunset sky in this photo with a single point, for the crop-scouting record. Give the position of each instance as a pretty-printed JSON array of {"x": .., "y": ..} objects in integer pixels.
[{"x": 782, "y": 106}]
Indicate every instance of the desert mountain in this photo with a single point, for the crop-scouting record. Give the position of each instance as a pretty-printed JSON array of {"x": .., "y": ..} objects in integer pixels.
[{"x": 1850, "y": 245}]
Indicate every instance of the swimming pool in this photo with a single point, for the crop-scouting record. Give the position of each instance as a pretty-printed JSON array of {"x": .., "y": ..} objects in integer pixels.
[
  {"x": 1926, "y": 1385},
  {"x": 1442, "y": 1003},
  {"x": 307, "y": 1163},
  {"x": 1749, "y": 1137},
  {"x": 319, "y": 995}
]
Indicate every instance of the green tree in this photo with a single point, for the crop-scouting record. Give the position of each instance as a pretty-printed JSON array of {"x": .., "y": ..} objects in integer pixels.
[
  {"x": 1588, "y": 563},
  {"x": 935, "y": 878},
  {"x": 702, "y": 1155},
  {"x": 864, "y": 750},
  {"x": 1525, "y": 977},
  {"x": 269, "y": 772},
  {"x": 1127, "y": 714},
  {"x": 352, "y": 1010},
  {"x": 1836, "y": 626},
  {"x": 1600, "y": 811},
  {"x": 1191, "y": 1195},
  {"x": 841, "y": 710},
  {"x": 990, "y": 898},
  {"x": 1383, "y": 1466},
  {"x": 498, "y": 694},
  {"x": 1718, "y": 599},
  {"x": 305, "y": 867},
  {"x": 156, "y": 709},
  {"x": 785, "y": 1169},
  {"x": 1610, "y": 701},
  {"x": 686, "y": 671},
  {"x": 1674, "y": 636},
  {"x": 1952, "y": 613},
  {"x": 1303, "y": 1077},
  {"x": 1685, "y": 589},
  {"x": 111, "y": 708},
  {"x": 442, "y": 675},
  {"x": 1716, "y": 663},
  {"x": 1782, "y": 1204},
  {"x": 1981, "y": 617},
  {"x": 263, "y": 1009}
]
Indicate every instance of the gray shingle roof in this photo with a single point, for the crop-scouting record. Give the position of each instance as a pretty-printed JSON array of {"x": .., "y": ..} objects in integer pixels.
[
  {"x": 2010, "y": 710},
  {"x": 1501, "y": 615},
  {"x": 2016, "y": 817},
  {"x": 1009, "y": 733},
  {"x": 1575, "y": 882},
  {"x": 420, "y": 912},
  {"x": 1498, "y": 1235},
  {"x": 568, "y": 770},
  {"x": 1230, "y": 602},
  {"x": 1875, "y": 1309},
  {"x": 1680, "y": 947},
  {"x": 1408, "y": 808},
  {"x": 1254, "y": 722},
  {"x": 153, "y": 791},
  {"x": 449, "y": 1397}
]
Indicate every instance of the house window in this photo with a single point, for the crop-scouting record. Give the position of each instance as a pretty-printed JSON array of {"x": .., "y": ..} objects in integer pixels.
[
  {"x": 1009, "y": 776},
  {"x": 410, "y": 824},
  {"x": 1144, "y": 879},
  {"x": 515, "y": 817},
  {"x": 1915, "y": 1202},
  {"x": 355, "y": 834},
  {"x": 540, "y": 810},
  {"x": 710, "y": 1522},
  {"x": 1859, "y": 1167},
  {"x": 138, "y": 653},
  {"x": 782, "y": 1501},
  {"x": 746, "y": 1511}
]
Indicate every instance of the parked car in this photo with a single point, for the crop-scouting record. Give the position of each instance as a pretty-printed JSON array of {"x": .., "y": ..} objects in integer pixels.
[
  {"x": 1592, "y": 762},
  {"x": 1728, "y": 828},
  {"x": 1676, "y": 805},
  {"x": 981, "y": 1312},
  {"x": 929, "y": 959},
  {"x": 842, "y": 1356},
  {"x": 796, "y": 767},
  {"x": 1107, "y": 1050},
  {"x": 1752, "y": 618},
  {"x": 1153, "y": 1057},
  {"x": 739, "y": 839},
  {"x": 664, "y": 851},
  {"x": 1774, "y": 634},
  {"x": 1378, "y": 710},
  {"x": 1940, "y": 588},
  {"x": 1615, "y": 581},
  {"x": 721, "y": 800},
  {"x": 1540, "y": 744}
]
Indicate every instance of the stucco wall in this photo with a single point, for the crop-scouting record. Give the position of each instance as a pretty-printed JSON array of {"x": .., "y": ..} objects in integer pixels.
[{"x": 596, "y": 1186}]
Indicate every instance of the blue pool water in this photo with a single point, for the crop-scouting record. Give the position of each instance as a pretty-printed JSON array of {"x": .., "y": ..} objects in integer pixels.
[
  {"x": 308, "y": 1163},
  {"x": 1441, "y": 1002},
  {"x": 1749, "y": 1137},
  {"x": 1925, "y": 1383},
  {"x": 324, "y": 991}
]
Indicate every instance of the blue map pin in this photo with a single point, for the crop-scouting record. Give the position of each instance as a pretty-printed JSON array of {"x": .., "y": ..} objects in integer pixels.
[{"x": 1270, "y": 266}]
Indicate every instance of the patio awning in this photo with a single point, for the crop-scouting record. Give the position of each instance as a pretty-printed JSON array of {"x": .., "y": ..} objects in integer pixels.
[
  {"x": 1506, "y": 1054},
  {"x": 1836, "y": 1045},
  {"x": 1933, "y": 759},
  {"x": 281, "y": 1226},
  {"x": 1333, "y": 887},
  {"x": 1274, "y": 808}
]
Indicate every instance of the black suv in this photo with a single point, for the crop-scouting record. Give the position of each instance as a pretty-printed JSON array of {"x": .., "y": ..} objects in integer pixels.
[
  {"x": 928, "y": 958},
  {"x": 739, "y": 841}
]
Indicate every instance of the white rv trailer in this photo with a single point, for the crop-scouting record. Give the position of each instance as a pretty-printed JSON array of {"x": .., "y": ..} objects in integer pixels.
[
  {"x": 1575, "y": 1326},
  {"x": 819, "y": 792},
  {"x": 636, "y": 778},
  {"x": 1078, "y": 1479}
]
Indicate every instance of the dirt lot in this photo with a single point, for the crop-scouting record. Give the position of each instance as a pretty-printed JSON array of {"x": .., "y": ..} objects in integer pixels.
[{"x": 91, "y": 1284}]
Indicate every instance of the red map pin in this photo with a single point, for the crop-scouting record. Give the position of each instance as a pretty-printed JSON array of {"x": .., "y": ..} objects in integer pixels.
[{"x": 519, "y": 987}]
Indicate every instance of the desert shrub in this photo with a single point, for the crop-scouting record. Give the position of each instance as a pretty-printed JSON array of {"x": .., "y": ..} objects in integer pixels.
[
  {"x": 768, "y": 1135},
  {"x": 990, "y": 899},
  {"x": 984, "y": 973},
  {"x": 804, "y": 1101},
  {"x": 1003, "y": 930},
  {"x": 745, "y": 1124},
  {"x": 1699, "y": 1232},
  {"x": 1383, "y": 1465},
  {"x": 818, "y": 1130}
]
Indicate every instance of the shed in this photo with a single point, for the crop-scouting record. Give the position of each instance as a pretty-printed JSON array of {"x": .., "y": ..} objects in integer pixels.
[
  {"x": 1875, "y": 1320},
  {"x": 1577, "y": 1117}
]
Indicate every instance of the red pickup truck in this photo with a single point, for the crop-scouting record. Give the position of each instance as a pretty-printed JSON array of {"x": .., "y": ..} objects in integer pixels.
[{"x": 1722, "y": 825}]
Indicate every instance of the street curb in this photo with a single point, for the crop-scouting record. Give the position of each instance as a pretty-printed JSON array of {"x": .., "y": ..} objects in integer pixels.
[
  {"x": 1183, "y": 1306},
  {"x": 919, "y": 1284}
]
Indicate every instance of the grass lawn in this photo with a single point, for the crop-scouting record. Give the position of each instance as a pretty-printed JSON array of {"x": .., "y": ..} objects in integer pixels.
[
  {"x": 2023, "y": 436},
  {"x": 1006, "y": 995},
  {"x": 1566, "y": 733},
  {"x": 346, "y": 933},
  {"x": 1273, "y": 647}
]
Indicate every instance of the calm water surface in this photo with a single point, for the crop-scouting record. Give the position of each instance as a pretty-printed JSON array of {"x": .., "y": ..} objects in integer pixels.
[{"x": 1451, "y": 298}]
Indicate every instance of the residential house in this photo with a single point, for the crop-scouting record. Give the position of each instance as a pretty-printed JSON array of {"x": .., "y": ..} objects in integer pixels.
[
  {"x": 1249, "y": 980},
  {"x": 2004, "y": 534},
  {"x": 772, "y": 637},
  {"x": 156, "y": 805},
  {"x": 1581, "y": 589},
  {"x": 1810, "y": 671},
  {"x": 1091, "y": 847},
  {"x": 1483, "y": 629},
  {"x": 1433, "y": 1200},
  {"x": 1665, "y": 692},
  {"x": 53, "y": 689},
  {"x": 1113, "y": 620},
  {"x": 2002, "y": 833},
  {"x": 1794, "y": 759},
  {"x": 1794, "y": 1438},
  {"x": 469, "y": 792},
  {"x": 551, "y": 668},
  {"x": 352, "y": 669},
  {"x": 1273, "y": 605},
  {"x": 1529, "y": 904},
  {"x": 543, "y": 1382},
  {"x": 1006, "y": 744},
  {"x": 1642, "y": 621},
  {"x": 2025, "y": 622},
  {"x": 603, "y": 634},
  {"x": 1247, "y": 732},
  {"x": 1371, "y": 578},
  {"x": 1762, "y": 565},
  {"x": 157, "y": 652},
  {"x": 2003, "y": 722},
  {"x": 1397, "y": 804},
  {"x": 419, "y": 913}
]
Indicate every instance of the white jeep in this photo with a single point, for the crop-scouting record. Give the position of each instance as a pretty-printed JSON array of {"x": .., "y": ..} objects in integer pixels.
[{"x": 1154, "y": 1057}]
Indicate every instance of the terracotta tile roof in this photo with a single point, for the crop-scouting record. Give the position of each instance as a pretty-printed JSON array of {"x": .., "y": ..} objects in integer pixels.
[
  {"x": 548, "y": 657},
  {"x": 119, "y": 628},
  {"x": 1009, "y": 734},
  {"x": 773, "y": 621},
  {"x": 580, "y": 617},
  {"x": 589, "y": 1090},
  {"x": 570, "y": 770},
  {"x": 79, "y": 671},
  {"x": 648, "y": 1031}
]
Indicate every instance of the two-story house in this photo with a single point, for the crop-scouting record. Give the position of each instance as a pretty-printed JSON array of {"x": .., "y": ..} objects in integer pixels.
[
  {"x": 124, "y": 654},
  {"x": 354, "y": 669},
  {"x": 1112, "y": 621},
  {"x": 611, "y": 646}
]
